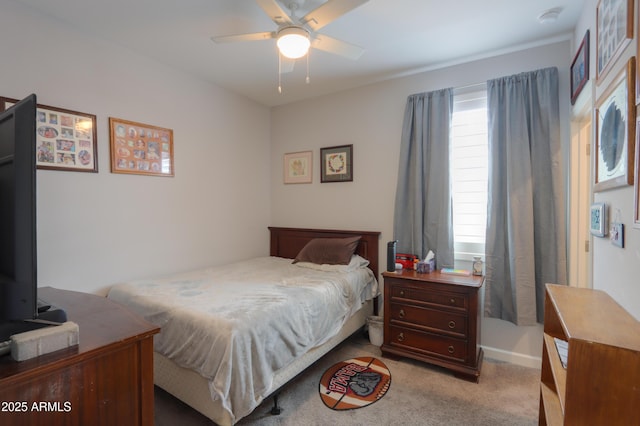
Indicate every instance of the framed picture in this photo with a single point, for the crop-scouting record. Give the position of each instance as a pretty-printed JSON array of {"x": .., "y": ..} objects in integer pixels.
[
  {"x": 336, "y": 164},
  {"x": 616, "y": 234},
  {"x": 614, "y": 26},
  {"x": 615, "y": 118},
  {"x": 65, "y": 139},
  {"x": 638, "y": 68},
  {"x": 580, "y": 69},
  {"x": 298, "y": 167},
  {"x": 140, "y": 149},
  {"x": 598, "y": 221}
]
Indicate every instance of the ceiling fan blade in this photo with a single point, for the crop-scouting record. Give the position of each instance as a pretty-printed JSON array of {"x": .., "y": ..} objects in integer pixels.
[
  {"x": 335, "y": 46},
  {"x": 275, "y": 12},
  {"x": 329, "y": 11},
  {"x": 244, "y": 37}
]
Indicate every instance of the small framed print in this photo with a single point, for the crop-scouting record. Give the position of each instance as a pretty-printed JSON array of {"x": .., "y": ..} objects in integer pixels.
[
  {"x": 65, "y": 139},
  {"x": 598, "y": 221},
  {"x": 616, "y": 234},
  {"x": 298, "y": 167},
  {"x": 614, "y": 31},
  {"x": 336, "y": 164},
  {"x": 580, "y": 69},
  {"x": 140, "y": 149},
  {"x": 615, "y": 119}
]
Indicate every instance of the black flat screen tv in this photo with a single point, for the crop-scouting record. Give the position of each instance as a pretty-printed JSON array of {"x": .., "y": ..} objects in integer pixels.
[{"x": 19, "y": 309}]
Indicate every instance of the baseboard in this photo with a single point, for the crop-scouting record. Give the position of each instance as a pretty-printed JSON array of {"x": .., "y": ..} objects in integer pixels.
[{"x": 512, "y": 357}]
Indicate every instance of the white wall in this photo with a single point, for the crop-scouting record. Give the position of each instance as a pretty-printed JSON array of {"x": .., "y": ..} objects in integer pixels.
[
  {"x": 98, "y": 229},
  {"x": 370, "y": 118},
  {"x": 614, "y": 269}
]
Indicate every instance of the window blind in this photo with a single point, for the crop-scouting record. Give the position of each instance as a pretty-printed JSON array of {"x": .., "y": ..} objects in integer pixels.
[{"x": 469, "y": 167}]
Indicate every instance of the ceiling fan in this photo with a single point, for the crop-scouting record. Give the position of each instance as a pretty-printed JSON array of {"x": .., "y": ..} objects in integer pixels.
[{"x": 296, "y": 35}]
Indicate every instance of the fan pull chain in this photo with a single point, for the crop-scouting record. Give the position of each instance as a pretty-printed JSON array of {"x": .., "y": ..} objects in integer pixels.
[
  {"x": 279, "y": 73},
  {"x": 307, "y": 80}
]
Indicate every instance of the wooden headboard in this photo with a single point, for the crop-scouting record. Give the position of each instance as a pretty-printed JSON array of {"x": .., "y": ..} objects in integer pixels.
[{"x": 287, "y": 242}]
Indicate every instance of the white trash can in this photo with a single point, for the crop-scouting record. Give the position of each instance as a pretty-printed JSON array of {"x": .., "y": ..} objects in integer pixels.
[{"x": 376, "y": 330}]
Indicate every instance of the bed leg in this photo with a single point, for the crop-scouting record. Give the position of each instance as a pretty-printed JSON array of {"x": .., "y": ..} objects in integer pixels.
[{"x": 275, "y": 410}]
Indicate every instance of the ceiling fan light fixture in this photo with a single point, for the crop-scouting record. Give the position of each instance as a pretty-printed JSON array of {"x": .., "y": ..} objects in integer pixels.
[{"x": 293, "y": 42}]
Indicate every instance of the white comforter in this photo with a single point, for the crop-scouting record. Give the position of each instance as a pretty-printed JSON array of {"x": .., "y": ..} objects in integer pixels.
[{"x": 238, "y": 324}]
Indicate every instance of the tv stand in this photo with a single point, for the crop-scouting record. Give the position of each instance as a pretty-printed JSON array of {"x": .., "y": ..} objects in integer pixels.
[
  {"x": 47, "y": 318},
  {"x": 43, "y": 306},
  {"x": 107, "y": 379}
]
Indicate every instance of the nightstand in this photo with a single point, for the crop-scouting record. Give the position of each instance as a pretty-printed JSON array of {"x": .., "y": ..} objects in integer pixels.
[{"x": 434, "y": 318}]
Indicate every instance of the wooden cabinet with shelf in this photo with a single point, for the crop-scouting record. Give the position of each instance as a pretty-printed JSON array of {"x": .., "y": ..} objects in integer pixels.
[
  {"x": 601, "y": 382},
  {"x": 434, "y": 318},
  {"x": 105, "y": 380}
]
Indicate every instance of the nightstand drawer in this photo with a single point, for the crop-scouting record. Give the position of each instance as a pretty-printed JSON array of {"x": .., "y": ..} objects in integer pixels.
[
  {"x": 452, "y": 300},
  {"x": 447, "y": 322},
  {"x": 429, "y": 344}
]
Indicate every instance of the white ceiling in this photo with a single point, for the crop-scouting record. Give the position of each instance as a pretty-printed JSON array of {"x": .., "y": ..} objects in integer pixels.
[{"x": 399, "y": 37}]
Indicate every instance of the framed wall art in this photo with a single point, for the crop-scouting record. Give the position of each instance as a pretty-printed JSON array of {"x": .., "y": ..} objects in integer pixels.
[
  {"x": 638, "y": 68},
  {"x": 580, "y": 69},
  {"x": 298, "y": 167},
  {"x": 615, "y": 119},
  {"x": 598, "y": 219},
  {"x": 140, "y": 149},
  {"x": 65, "y": 139},
  {"x": 616, "y": 234},
  {"x": 614, "y": 30},
  {"x": 336, "y": 164}
]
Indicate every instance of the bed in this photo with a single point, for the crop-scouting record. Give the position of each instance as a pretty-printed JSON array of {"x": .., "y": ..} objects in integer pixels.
[{"x": 226, "y": 342}]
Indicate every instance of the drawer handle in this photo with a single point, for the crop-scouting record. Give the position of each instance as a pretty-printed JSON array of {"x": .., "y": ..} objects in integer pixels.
[
  {"x": 401, "y": 293},
  {"x": 450, "y": 349},
  {"x": 452, "y": 324},
  {"x": 452, "y": 301},
  {"x": 400, "y": 337},
  {"x": 401, "y": 313}
]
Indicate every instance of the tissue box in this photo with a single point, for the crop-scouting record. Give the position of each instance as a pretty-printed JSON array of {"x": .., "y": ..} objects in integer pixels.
[{"x": 426, "y": 267}]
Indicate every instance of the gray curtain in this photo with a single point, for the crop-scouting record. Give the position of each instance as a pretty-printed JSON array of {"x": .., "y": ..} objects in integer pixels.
[
  {"x": 525, "y": 242},
  {"x": 423, "y": 219}
]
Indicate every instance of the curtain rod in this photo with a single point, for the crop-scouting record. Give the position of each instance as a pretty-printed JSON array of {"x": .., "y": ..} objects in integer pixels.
[{"x": 470, "y": 86}]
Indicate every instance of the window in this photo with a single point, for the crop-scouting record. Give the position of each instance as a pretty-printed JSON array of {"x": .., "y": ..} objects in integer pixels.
[{"x": 469, "y": 170}]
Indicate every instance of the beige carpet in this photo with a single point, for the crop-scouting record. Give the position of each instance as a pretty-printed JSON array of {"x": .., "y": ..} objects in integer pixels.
[{"x": 419, "y": 394}]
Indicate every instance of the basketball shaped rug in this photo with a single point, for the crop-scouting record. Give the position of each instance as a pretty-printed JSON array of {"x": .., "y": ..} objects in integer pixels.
[{"x": 354, "y": 383}]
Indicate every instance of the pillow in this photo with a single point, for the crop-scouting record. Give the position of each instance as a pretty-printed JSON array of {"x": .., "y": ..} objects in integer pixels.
[
  {"x": 330, "y": 251},
  {"x": 356, "y": 262}
]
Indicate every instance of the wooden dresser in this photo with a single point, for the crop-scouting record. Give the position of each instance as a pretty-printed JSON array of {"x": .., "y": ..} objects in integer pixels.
[
  {"x": 434, "y": 318},
  {"x": 105, "y": 380},
  {"x": 599, "y": 383}
]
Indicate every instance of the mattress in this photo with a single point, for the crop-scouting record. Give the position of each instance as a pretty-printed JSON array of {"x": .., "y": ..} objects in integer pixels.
[
  {"x": 192, "y": 389},
  {"x": 236, "y": 325}
]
